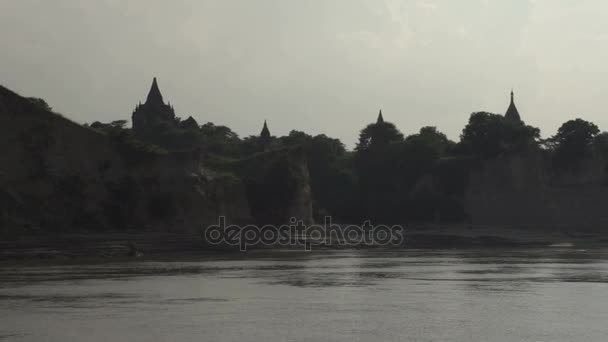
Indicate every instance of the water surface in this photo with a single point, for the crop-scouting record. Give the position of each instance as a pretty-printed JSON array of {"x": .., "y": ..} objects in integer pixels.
[{"x": 481, "y": 295}]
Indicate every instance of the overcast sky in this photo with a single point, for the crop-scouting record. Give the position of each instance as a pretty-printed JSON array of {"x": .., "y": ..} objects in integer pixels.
[{"x": 321, "y": 66}]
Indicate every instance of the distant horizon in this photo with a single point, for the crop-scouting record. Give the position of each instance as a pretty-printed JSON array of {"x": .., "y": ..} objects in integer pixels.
[
  {"x": 373, "y": 118},
  {"x": 315, "y": 66}
]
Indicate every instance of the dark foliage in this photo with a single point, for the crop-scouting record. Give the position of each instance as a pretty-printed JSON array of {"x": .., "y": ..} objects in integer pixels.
[
  {"x": 489, "y": 135},
  {"x": 574, "y": 142},
  {"x": 132, "y": 149},
  {"x": 600, "y": 145},
  {"x": 40, "y": 104}
]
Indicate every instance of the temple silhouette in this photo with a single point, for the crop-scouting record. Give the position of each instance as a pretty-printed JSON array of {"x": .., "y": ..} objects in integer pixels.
[
  {"x": 154, "y": 115},
  {"x": 512, "y": 113},
  {"x": 380, "y": 118},
  {"x": 153, "y": 112}
]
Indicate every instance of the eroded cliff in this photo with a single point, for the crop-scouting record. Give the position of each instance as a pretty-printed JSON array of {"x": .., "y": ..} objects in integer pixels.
[
  {"x": 528, "y": 191},
  {"x": 56, "y": 175},
  {"x": 522, "y": 191}
]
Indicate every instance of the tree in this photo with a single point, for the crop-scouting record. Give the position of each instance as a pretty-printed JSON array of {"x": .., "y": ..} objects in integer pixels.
[
  {"x": 433, "y": 140},
  {"x": 378, "y": 170},
  {"x": 378, "y": 135},
  {"x": 112, "y": 127},
  {"x": 120, "y": 124},
  {"x": 218, "y": 139},
  {"x": 40, "y": 103},
  {"x": 488, "y": 135},
  {"x": 600, "y": 145},
  {"x": 574, "y": 142},
  {"x": 295, "y": 138}
]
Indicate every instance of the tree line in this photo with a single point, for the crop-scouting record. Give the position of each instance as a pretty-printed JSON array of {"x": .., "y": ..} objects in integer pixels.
[{"x": 382, "y": 179}]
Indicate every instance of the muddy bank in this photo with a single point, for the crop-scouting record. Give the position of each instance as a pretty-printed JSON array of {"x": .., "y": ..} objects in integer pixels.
[
  {"x": 132, "y": 245},
  {"x": 113, "y": 245}
]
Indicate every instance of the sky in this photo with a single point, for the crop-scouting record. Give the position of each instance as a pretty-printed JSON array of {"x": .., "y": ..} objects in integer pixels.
[{"x": 319, "y": 66}]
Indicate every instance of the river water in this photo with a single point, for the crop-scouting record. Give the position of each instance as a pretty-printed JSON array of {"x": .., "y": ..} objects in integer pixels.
[{"x": 471, "y": 295}]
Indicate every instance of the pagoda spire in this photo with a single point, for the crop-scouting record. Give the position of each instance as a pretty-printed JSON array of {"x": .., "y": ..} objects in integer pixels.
[
  {"x": 380, "y": 118},
  {"x": 512, "y": 112},
  {"x": 154, "y": 96},
  {"x": 265, "y": 134}
]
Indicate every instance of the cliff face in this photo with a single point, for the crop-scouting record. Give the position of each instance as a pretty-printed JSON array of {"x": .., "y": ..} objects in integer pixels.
[
  {"x": 57, "y": 175},
  {"x": 526, "y": 191},
  {"x": 277, "y": 186},
  {"x": 517, "y": 191},
  {"x": 52, "y": 165}
]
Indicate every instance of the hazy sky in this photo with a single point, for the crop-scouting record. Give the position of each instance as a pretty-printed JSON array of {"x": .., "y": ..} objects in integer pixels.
[{"x": 321, "y": 66}]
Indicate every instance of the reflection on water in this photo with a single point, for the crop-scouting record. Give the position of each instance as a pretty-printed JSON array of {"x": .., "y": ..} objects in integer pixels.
[{"x": 489, "y": 295}]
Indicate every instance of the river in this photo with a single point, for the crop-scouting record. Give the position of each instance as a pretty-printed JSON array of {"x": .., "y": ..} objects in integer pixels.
[{"x": 547, "y": 294}]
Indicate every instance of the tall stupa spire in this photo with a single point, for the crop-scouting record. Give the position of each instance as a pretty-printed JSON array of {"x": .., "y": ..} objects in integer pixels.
[
  {"x": 265, "y": 134},
  {"x": 380, "y": 118},
  {"x": 154, "y": 96},
  {"x": 512, "y": 112}
]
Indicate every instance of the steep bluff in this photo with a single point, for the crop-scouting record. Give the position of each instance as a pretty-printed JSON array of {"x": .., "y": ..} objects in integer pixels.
[
  {"x": 56, "y": 175},
  {"x": 527, "y": 191},
  {"x": 523, "y": 191},
  {"x": 277, "y": 184}
]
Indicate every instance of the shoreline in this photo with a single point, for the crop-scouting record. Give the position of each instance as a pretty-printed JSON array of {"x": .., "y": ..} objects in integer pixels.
[{"x": 129, "y": 245}]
